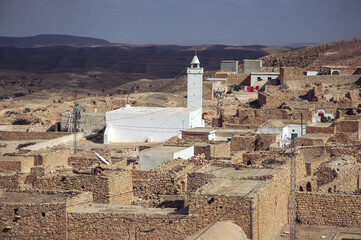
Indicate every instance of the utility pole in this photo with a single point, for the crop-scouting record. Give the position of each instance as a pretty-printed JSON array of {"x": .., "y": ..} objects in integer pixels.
[
  {"x": 293, "y": 206},
  {"x": 218, "y": 95},
  {"x": 76, "y": 113}
]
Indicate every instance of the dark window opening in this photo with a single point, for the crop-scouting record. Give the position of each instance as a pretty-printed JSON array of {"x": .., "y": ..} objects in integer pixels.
[
  {"x": 309, "y": 187},
  {"x": 301, "y": 189},
  {"x": 43, "y": 214}
]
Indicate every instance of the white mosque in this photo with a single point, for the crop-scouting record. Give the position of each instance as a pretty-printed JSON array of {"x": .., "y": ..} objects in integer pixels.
[{"x": 155, "y": 124}]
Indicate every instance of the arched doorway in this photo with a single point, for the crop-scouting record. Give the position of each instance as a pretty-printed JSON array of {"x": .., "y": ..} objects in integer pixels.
[{"x": 309, "y": 187}]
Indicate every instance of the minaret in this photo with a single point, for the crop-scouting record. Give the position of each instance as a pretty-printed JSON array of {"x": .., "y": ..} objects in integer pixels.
[{"x": 194, "y": 84}]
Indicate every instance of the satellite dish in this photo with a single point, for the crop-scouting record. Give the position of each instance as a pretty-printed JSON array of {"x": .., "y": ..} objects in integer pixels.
[{"x": 102, "y": 159}]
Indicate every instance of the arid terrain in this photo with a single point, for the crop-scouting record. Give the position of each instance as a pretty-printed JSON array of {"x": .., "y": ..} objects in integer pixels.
[{"x": 343, "y": 53}]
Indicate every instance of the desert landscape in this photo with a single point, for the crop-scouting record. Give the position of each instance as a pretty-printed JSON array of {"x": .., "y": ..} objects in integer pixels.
[{"x": 236, "y": 142}]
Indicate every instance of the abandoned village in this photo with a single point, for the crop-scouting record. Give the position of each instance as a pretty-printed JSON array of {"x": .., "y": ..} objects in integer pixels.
[{"x": 256, "y": 153}]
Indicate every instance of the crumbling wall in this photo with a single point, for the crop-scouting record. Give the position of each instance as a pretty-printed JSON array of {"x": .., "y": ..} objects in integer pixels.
[
  {"x": 196, "y": 180},
  {"x": 208, "y": 90},
  {"x": 13, "y": 136},
  {"x": 117, "y": 225},
  {"x": 239, "y": 143},
  {"x": 342, "y": 210},
  {"x": 113, "y": 188},
  {"x": 194, "y": 137},
  {"x": 18, "y": 164},
  {"x": 320, "y": 130},
  {"x": 211, "y": 208},
  {"x": 22, "y": 219}
]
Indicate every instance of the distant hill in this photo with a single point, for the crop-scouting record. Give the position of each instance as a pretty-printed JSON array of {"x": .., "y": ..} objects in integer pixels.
[
  {"x": 162, "y": 61},
  {"x": 342, "y": 53},
  {"x": 50, "y": 40}
]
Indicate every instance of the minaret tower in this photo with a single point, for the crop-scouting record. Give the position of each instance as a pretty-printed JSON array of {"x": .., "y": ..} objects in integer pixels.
[{"x": 194, "y": 84}]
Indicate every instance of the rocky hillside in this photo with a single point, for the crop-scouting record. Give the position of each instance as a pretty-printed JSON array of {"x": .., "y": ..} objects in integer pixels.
[
  {"x": 343, "y": 53},
  {"x": 159, "y": 61},
  {"x": 50, "y": 40}
]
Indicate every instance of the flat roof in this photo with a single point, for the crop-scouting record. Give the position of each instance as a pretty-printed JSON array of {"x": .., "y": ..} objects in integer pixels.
[
  {"x": 166, "y": 149},
  {"x": 230, "y": 172},
  {"x": 152, "y": 110},
  {"x": 118, "y": 209},
  {"x": 321, "y": 124},
  {"x": 20, "y": 197},
  {"x": 216, "y": 79},
  {"x": 265, "y": 73},
  {"x": 230, "y": 187},
  {"x": 16, "y": 158}
]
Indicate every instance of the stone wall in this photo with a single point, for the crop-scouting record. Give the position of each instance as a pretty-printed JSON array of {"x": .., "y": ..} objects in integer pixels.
[
  {"x": 113, "y": 188},
  {"x": 321, "y": 130},
  {"x": 12, "y": 136},
  {"x": 194, "y": 137},
  {"x": 341, "y": 210},
  {"x": 196, "y": 180},
  {"x": 160, "y": 182},
  {"x": 208, "y": 90},
  {"x": 239, "y": 143},
  {"x": 212, "y": 208},
  {"x": 32, "y": 216},
  {"x": 270, "y": 212},
  {"x": 18, "y": 164}
]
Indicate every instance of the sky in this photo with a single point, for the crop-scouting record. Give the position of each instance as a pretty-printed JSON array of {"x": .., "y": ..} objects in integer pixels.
[{"x": 186, "y": 22}]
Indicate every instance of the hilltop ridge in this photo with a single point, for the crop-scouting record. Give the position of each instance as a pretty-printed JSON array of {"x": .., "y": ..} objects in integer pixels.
[{"x": 342, "y": 53}]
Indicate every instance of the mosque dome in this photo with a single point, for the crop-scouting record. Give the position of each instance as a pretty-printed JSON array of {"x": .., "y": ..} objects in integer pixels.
[{"x": 195, "y": 60}]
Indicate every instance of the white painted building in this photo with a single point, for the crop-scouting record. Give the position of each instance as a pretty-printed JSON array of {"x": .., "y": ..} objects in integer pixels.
[
  {"x": 286, "y": 130},
  {"x": 263, "y": 77},
  {"x": 320, "y": 115},
  {"x": 139, "y": 124},
  {"x": 153, "y": 157},
  {"x": 194, "y": 84}
]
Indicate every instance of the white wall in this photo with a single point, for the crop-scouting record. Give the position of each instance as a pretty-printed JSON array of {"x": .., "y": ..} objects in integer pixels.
[
  {"x": 194, "y": 88},
  {"x": 264, "y": 77},
  {"x": 153, "y": 157},
  {"x": 154, "y": 124},
  {"x": 292, "y": 128}
]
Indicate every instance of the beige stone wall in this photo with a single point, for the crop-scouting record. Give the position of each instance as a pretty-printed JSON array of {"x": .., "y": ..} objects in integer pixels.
[
  {"x": 38, "y": 220},
  {"x": 309, "y": 141},
  {"x": 239, "y": 143},
  {"x": 5, "y": 135},
  {"x": 52, "y": 159},
  {"x": 18, "y": 164},
  {"x": 235, "y": 79},
  {"x": 333, "y": 209},
  {"x": 322, "y": 130},
  {"x": 220, "y": 150},
  {"x": 212, "y": 208},
  {"x": 130, "y": 226},
  {"x": 148, "y": 183},
  {"x": 290, "y": 74},
  {"x": 194, "y": 137},
  {"x": 271, "y": 207},
  {"x": 208, "y": 90},
  {"x": 113, "y": 188},
  {"x": 196, "y": 180}
]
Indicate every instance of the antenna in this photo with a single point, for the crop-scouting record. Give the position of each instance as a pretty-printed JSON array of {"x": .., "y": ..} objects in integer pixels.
[{"x": 102, "y": 159}]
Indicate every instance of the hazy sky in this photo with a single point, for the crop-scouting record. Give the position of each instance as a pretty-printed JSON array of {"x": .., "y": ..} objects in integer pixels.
[{"x": 187, "y": 22}]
